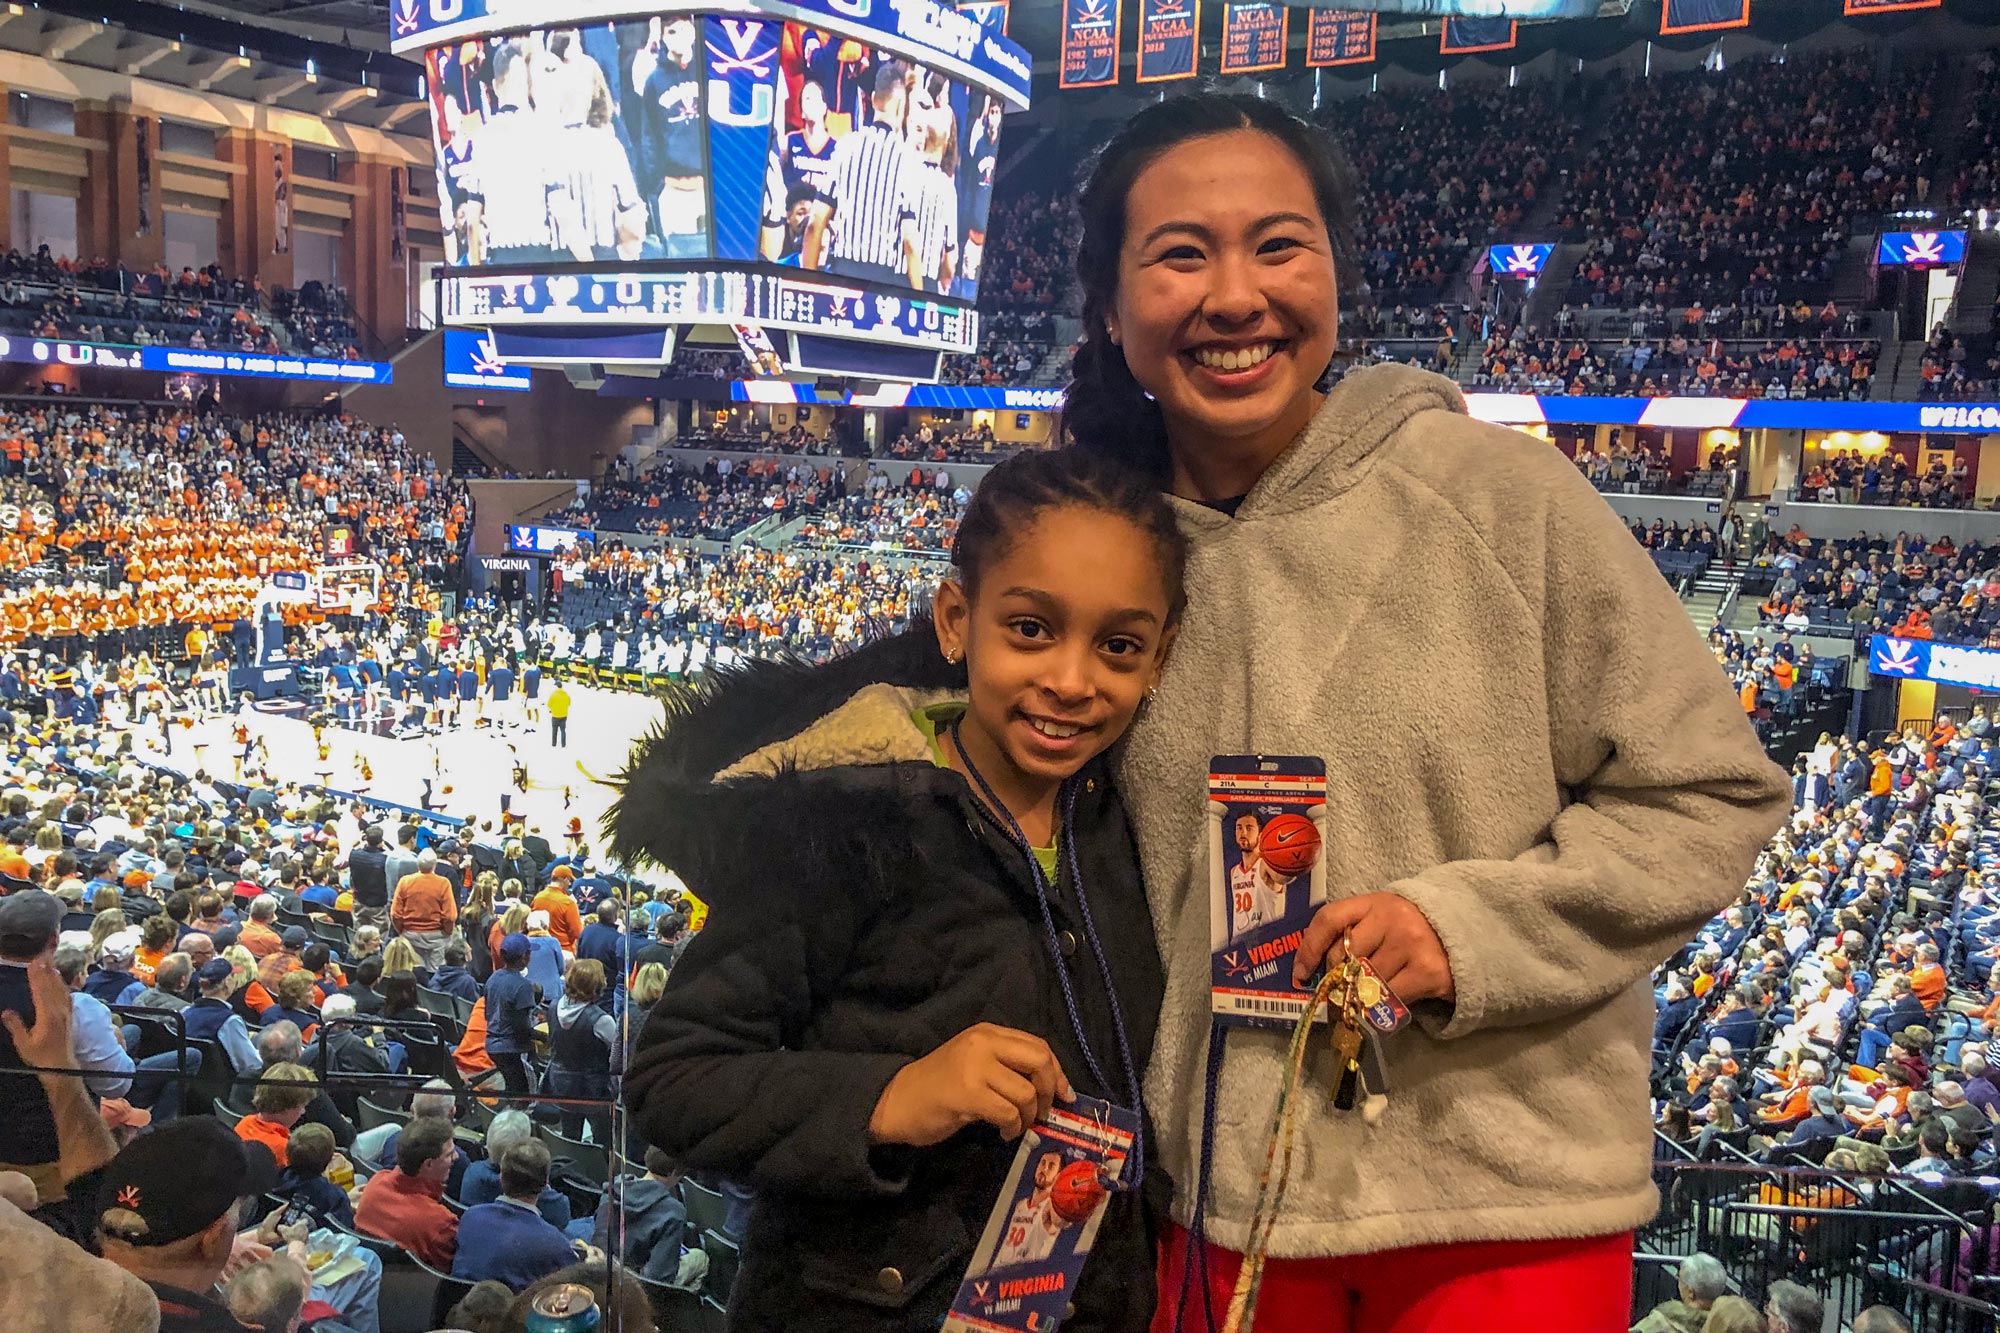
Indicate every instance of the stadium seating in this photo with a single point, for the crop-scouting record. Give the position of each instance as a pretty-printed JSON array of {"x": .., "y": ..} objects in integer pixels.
[{"x": 54, "y": 297}]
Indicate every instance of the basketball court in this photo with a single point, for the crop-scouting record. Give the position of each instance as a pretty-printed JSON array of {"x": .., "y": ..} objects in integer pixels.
[{"x": 469, "y": 768}]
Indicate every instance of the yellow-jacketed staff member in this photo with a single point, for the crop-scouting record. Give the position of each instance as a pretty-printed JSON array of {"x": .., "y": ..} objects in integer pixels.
[{"x": 559, "y": 717}]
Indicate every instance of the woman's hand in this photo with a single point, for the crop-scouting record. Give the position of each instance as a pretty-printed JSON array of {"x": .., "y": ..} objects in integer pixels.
[
  {"x": 1388, "y": 931},
  {"x": 1002, "y": 1076}
]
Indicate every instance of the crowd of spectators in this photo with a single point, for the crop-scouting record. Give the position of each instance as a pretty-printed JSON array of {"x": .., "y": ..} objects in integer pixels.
[
  {"x": 1443, "y": 171},
  {"x": 687, "y": 608},
  {"x": 1977, "y": 185},
  {"x": 1955, "y": 367},
  {"x": 1837, "y": 1017},
  {"x": 55, "y": 297},
  {"x": 1907, "y": 587},
  {"x": 1522, "y": 361},
  {"x": 123, "y": 522},
  {"x": 921, "y": 515},
  {"x": 1744, "y": 186},
  {"x": 717, "y": 502},
  {"x": 348, "y": 977}
]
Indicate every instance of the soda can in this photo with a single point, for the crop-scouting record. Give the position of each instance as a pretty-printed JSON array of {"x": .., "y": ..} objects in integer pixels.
[{"x": 569, "y": 1308}]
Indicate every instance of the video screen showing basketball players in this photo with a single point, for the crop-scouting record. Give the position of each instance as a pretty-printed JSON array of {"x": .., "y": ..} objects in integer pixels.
[
  {"x": 880, "y": 169},
  {"x": 572, "y": 144}
]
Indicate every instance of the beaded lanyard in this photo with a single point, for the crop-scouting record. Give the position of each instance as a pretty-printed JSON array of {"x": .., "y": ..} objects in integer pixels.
[
  {"x": 1067, "y": 837},
  {"x": 1277, "y": 1157}
]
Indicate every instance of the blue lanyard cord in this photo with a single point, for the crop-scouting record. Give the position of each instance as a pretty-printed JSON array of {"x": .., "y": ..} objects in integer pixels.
[{"x": 1067, "y": 837}]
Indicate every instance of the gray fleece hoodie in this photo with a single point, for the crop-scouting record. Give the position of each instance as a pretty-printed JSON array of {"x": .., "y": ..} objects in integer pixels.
[{"x": 1526, "y": 737}]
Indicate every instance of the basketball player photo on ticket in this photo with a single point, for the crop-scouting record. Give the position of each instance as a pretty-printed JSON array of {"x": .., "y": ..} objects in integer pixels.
[
  {"x": 1266, "y": 825},
  {"x": 1041, "y": 1229}
]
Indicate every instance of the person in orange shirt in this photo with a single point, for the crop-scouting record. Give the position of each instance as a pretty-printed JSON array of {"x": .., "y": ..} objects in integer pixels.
[
  {"x": 156, "y": 941},
  {"x": 565, "y": 922},
  {"x": 283, "y": 1093},
  {"x": 1748, "y": 695},
  {"x": 1927, "y": 979}
]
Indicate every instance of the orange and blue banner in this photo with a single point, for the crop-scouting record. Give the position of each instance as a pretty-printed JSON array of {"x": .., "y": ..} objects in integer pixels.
[
  {"x": 1336, "y": 37},
  {"x": 1090, "y": 33},
  {"x": 1681, "y": 16},
  {"x": 1169, "y": 39},
  {"x": 1463, "y": 37},
  {"x": 1254, "y": 37}
]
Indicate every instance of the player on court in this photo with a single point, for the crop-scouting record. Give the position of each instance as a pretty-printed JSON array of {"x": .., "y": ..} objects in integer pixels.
[
  {"x": 1034, "y": 1225},
  {"x": 1256, "y": 892}
]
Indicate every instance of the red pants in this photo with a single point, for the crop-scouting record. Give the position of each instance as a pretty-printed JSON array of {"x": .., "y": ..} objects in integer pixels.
[{"x": 1579, "y": 1286}]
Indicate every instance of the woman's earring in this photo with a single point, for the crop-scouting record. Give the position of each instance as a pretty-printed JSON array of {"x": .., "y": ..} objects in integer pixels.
[
  {"x": 1152, "y": 692},
  {"x": 951, "y": 656}
]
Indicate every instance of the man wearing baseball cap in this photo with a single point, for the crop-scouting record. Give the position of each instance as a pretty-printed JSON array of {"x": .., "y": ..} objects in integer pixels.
[{"x": 167, "y": 1209}]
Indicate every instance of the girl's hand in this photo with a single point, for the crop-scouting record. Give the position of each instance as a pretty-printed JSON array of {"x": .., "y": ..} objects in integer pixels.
[
  {"x": 1002, "y": 1076},
  {"x": 1388, "y": 931}
]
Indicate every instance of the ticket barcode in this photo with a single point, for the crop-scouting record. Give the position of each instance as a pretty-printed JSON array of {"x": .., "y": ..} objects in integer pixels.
[{"x": 1227, "y": 1003}]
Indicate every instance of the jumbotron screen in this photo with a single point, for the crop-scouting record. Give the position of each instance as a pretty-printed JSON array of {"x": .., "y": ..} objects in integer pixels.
[{"x": 670, "y": 138}]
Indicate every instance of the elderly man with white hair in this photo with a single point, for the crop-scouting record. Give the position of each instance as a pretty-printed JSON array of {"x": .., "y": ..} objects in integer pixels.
[
  {"x": 260, "y": 933},
  {"x": 424, "y": 909},
  {"x": 1701, "y": 1280},
  {"x": 351, "y": 1048},
  {"x": 482, "y": 1178}
]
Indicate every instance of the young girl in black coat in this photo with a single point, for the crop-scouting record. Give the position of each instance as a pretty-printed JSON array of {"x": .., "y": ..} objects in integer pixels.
[{"x": 926, "y": 921}]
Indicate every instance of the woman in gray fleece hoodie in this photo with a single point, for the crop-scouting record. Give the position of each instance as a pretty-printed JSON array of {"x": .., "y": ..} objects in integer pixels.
[{"x": 1539, "y": 785}]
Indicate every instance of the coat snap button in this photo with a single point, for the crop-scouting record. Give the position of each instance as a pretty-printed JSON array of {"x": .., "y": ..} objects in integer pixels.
[
  {"x": 1067, "y": 943},
  {"x": 891, "y": 1281}
]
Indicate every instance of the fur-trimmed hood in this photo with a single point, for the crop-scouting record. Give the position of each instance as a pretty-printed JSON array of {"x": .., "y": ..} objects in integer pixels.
[{"x": 754, "y": 759}]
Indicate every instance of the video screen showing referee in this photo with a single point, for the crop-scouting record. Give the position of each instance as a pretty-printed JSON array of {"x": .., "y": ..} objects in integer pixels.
[
  {"x": 880, "y": 169},
  {"x": 572, "y": 144}
]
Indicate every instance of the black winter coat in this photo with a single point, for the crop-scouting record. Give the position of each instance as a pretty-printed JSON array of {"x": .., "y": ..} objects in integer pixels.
[{"x": 864, "y": 908}]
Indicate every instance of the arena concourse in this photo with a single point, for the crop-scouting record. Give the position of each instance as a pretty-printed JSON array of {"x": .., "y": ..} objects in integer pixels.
[{"x": 323, "y": 647}]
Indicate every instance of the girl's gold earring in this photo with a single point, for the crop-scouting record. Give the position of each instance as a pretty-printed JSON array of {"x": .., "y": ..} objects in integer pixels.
[{"x": 951, "y": 656}]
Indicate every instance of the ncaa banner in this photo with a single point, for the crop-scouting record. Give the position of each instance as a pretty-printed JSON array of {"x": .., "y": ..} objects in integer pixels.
[
  {"x": 1462, "y": 37},
  {"x": 991, "y": 14},
  {"x": 1335, "y": 37},
  {"x": 1168, "y": 33},
  {"x": 742, "y": 102},
  {"x": 1677, "y": 16},
  {"x": 1254, "y": 37},
  {"x": 1855, "y": 9},
  {"x": 1090, "y": 35}
]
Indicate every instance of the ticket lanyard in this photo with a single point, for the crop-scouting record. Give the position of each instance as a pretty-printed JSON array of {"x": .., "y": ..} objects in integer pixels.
[{"x": 1066, "y": 837}]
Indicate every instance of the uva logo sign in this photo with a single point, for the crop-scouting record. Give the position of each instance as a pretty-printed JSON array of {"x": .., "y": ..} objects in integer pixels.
[{"x": 1896, "y": 657}]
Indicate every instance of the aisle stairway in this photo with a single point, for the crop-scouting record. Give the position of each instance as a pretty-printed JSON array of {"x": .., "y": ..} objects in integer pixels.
[
  {"x": 1978, "y": 284},
  {"x": 1711, "y": 592}
]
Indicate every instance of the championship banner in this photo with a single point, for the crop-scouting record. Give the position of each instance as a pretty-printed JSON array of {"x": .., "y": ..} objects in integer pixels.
[
  {"x": 399, "y": 215},
  {"x": 281, "y": 197},
  {"x": 1169, "y": 31},
  {"x": 1254, "y": 36},
  {"x": 1855, "y": 9},
  {"x": 1335, "y": 37},
  {"x": 1090, "y": 35},
  {"x": 1463, "y": 37},
  {"x": 142, "y": 126},
  {"x": 1679, "y": 16},
  {"x": 992, "y": 14}
]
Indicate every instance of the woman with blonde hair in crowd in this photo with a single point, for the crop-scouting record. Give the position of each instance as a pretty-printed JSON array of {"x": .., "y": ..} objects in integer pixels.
[
  {"x": 109, "y": 922},
  {"x": 513, "y": 921},
  {"x": 1733, "y": 1314},
  {"x": 401, "y": 956}
]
